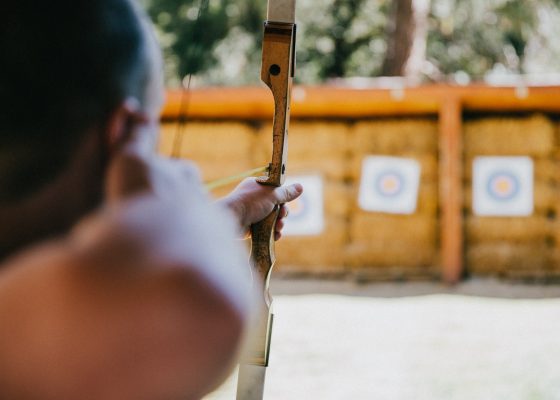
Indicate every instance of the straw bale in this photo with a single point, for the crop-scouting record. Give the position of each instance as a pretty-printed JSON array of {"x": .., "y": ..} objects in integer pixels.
[
  {"x": 532, "y": 276},
  {"x": 554, "y": 259},
  {"x": 545, "y": 197},
  {"x": 393, "y": 273},
  {"x": 320, "y": 139},
  {"x": 500, "y": 258},
  {"x": 557, "y": 132},
  {"x": 365, "y": 254},
  {"x": 337, "y": 199},
  {"x": 509, "y": 136},
  {"x": 222, "y": 191},
  {"x": 554, "y": 211},
  {"x": 333, "y": 168},
  {"x": 212, "y": 169},
  {"x": 428, "y": 164},
  {"x": 314, "y": 252},
  {"x": 328, "y": 159},
  {"x": 428, "y": 199},
  {"x": 325, "y": 271},
  {"x": 210, "y": 140},
  {"x": 547, "y": 170},
  {"x": 395, "y": 136},
  {"x": 384, "y": 229},
  {"x": 555, "y": 231},
  {"x": 512, "y": 230},
  {"x": 427, "y": 205}
]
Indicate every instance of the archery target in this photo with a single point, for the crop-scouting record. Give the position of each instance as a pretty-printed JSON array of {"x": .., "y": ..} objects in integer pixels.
[
  {"x": 389, "y": 184},
  {"x": 305, "y": 215},
  {"x": 503, "y": 186}
]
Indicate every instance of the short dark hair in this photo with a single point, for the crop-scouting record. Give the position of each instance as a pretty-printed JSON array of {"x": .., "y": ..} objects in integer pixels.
[{"x": 64, "y": 65}]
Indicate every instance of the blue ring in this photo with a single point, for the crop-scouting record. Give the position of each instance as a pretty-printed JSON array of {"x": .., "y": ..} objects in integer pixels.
[
  {"x": 384, "y": 174},
  {"x": 514, "y": 181}
]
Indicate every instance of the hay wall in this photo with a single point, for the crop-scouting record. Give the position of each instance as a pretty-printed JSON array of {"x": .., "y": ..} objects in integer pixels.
[
  {"x": 219, "y": 149},
  {"x": 382, "y": 246},
  {"x": 514, "y": 247},
  {"x": 315, "y": 148}
]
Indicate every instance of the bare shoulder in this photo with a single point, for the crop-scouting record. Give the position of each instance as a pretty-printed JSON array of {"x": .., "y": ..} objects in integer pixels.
[
  {"x": 73, "y": 325},
  {"x": 32, "y": 269}
]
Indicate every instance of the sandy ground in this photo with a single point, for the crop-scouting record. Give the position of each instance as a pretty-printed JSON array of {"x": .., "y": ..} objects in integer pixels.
[{"x": 480, "y": 340}]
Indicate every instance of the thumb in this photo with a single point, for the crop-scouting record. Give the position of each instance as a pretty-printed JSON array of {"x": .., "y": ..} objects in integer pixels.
[{"x": 285, "y": 194}]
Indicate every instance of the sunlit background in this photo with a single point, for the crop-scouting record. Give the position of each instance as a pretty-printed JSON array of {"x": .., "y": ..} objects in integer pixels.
[
  {"x": 218, "y": 41},
  {"x": 440, "y": 91}
]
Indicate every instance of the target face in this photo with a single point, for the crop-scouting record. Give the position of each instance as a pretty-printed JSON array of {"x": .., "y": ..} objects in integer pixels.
[
  {"x": 298, "y": 208},
  {"x": 389, "y": 184},
  {"x": 305, "y": 214},
  {"x": 503, "y": 186}
]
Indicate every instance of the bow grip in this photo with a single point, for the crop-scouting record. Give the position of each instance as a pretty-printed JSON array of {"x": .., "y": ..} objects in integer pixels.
[{"x": 263, "y": 259}]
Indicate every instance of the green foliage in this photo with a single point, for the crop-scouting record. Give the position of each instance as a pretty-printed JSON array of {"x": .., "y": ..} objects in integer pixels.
[
  {"x": 184, "y": 30},
  {"x": 219, "y": 41},
  {"x": 191, "y": 30},
  {"x": 340, "y": 38},
  {"x": 474, "y": 35}
]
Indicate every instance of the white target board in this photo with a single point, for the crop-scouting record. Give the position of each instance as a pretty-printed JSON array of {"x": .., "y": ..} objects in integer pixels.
[
  {"x": 503, "y": 186},
  {"x": 389, "y": 184},
  {"x": 305, "y": 216}
]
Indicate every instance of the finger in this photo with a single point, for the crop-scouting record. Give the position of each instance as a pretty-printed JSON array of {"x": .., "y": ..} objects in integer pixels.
[
  {"x": 279, "y": 225},
  {"x": 278, "y": 229},
  {"x": 285, "y": 194},
  {"x": 283, "y": 213}
]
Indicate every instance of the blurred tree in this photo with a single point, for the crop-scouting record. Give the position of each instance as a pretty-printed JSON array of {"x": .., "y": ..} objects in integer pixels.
[
  {"x": 473, "y": 36},
  {"x": 220, "y": 40},
  {"x": 191, "y": 31},
  {"x": 336, "y": 38},
  {"x": 340, "y": 38},
  {"x": 406, "y": 38},
  {"x": 400, "y": 36}
]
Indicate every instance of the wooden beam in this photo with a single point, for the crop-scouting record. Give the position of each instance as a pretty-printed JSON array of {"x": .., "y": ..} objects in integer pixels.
[
  {"x": 451, "y": 189},
  {"x": 337, "y": 102}
]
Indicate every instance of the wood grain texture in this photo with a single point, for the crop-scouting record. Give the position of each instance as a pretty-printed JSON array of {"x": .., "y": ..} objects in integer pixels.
[
  {"x": 451, "y": 193},
  {"x": 252, "y": 103}
]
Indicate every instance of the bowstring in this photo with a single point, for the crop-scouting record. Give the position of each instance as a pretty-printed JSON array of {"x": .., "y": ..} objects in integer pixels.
[{"x": 186, "y": 89}]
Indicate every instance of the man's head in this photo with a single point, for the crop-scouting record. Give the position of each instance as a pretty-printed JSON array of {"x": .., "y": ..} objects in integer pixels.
[{"x": 66, "y": 69}]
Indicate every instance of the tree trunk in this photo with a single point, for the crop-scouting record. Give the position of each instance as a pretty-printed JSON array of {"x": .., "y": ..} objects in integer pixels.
[
  {"x": 417, "y": 59},
  {"x": 406, "y": 38}
]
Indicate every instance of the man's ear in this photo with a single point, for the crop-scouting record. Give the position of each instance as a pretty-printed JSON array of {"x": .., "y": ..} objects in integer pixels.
[{"x": 122, "y": 123}]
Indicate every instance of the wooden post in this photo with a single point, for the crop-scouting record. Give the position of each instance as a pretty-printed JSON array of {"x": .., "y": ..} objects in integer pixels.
[{"x": 451, "y": 189}]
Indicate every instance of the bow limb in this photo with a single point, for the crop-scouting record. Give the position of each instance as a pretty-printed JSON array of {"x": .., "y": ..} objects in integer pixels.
[{"x": 278, "y": 62}]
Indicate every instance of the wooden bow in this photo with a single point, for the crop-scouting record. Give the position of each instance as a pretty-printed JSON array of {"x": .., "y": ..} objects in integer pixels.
[{"x": 277, "y": 71}]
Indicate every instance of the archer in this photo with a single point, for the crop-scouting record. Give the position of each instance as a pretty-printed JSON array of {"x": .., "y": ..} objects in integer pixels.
[{"x": 119, "y": 277}]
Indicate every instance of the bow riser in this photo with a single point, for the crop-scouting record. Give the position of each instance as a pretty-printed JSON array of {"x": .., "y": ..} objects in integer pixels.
[
  {"x": 278, "y": 62},
  {"x": 277, "y": 72}
]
